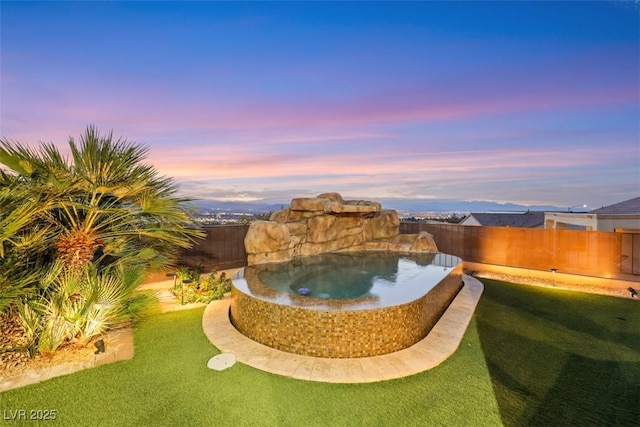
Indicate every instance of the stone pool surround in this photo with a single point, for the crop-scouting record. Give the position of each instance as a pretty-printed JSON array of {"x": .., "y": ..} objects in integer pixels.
[
  {"x": 338, "y": 328},
  {"x": 443, "y": 340},
  {"x": 327, "y": 223}
]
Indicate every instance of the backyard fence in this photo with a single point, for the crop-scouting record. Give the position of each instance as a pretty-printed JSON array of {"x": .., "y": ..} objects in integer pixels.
[
  {"x": 587, "y": 253},
  {"x": 221, "y": 249}
]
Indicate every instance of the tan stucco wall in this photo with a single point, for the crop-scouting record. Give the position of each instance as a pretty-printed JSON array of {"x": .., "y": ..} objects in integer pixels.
[{"x": 591, "y": 222}]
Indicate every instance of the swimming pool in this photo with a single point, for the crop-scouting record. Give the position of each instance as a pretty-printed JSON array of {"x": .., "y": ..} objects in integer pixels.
[{"x": 359, "y": 303}]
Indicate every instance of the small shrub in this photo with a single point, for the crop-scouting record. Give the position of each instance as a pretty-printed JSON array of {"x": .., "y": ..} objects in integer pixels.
[
  {"x": 79, "y": 305},
  {"x": 193, "y": 274},
  {"x": 213, "y": 287}
]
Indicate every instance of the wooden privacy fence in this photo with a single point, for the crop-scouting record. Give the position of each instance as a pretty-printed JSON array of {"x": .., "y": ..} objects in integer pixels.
[
  {"x": 222, "y": 248},
  {"x": 588, "y": 253}
]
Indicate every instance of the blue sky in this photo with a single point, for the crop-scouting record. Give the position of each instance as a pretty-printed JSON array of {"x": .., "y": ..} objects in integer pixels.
[{"x": 525, "y": 102}]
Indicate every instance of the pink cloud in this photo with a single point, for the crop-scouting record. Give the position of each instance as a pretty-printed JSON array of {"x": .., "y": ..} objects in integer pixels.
[{"x": 560, "y": 84}]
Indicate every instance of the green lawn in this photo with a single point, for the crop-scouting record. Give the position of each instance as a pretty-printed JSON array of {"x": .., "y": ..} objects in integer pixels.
[{"x": 531, "y": 356}]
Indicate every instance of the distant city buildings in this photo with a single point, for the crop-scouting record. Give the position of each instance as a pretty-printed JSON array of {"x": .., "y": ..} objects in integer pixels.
[
  {"x": 623, "y": 216},
  {"x": 223, "y": 218}
]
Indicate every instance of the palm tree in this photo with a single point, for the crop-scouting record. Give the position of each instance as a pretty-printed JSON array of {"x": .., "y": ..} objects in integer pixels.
[
  {"x": 102, "y": 205},
  {"x": 77, "y": 233},
  {"x": 21, "y": 244}
]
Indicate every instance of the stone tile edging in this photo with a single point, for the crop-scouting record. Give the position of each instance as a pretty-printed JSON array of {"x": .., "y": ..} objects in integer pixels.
[
  {"x": 442, "y": 342},
  {"x": 118, "y": 345}
]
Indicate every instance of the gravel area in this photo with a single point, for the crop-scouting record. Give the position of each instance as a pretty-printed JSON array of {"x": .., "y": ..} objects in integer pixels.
[
  {"x": 15, "y": 361},
  {"x": 580, "y": 287}
]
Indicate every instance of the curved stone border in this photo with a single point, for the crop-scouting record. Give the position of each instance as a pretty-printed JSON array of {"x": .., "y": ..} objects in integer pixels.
[
  {"x": 442, "y": 342},
  {"x": 119, "y": 346}
]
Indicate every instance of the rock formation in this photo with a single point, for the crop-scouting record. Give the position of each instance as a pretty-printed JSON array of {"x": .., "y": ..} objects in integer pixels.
[{"x": 327, "y": 223}]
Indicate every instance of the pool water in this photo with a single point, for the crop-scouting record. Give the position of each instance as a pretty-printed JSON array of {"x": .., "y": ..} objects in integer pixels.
[{"x": 355, "y": 275}]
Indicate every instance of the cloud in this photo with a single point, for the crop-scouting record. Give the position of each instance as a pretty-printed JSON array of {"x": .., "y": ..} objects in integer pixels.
[{"x": 418, "y": 113}]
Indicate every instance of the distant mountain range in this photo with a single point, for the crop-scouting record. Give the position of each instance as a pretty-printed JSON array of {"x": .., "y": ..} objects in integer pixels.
[
  {"x": 461, "y": 206},
  {"x": 404, "y": 205},
  {"x": 246, "y": 207}
]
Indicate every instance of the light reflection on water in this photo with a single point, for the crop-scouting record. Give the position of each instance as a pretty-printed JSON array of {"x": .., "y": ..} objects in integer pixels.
[{"x": 380, "y": 278}]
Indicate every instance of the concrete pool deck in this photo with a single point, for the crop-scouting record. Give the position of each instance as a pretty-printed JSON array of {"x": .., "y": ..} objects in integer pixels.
[{"x": 442, "y": 342}]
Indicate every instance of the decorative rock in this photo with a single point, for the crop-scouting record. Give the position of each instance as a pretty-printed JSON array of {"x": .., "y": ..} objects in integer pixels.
[
  {"x": 404, "y": 239},
  {"x": 296, "y": 215},
  {"x": 334, "y": 197},
  {"x": 352, "y": 207},
  {"x": 363, "y": 203},
  {"x": 330, "y": 227},
  {"x": 424, "y": 243},
  {"x": 296, "y": 240},
  {"x": 327, "y": 223},
  {"x": 344, "y": 243},
  {"x": 266, "y": 236},
  {"x": 384, "y": 226},
  {"x": 399, "y": 247},
  {"x": 297, "y": 228},
  {"x": 281, "y": 216},
  {"x": 308, "y": 204},
  {"x": 263, "y": 257},
  {"x": 376, "y": 245}
]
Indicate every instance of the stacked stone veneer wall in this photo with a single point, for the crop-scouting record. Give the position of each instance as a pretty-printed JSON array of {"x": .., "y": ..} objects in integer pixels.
[
  {"x": 338, "y": 331},
  {"x": 327, "y": 223}
]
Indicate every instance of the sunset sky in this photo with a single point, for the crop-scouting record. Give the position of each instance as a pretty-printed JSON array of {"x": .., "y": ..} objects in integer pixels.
[{"x": 524, "y": 102}]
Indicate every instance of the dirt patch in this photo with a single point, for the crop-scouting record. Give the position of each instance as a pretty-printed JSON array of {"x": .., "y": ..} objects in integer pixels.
[{"x": 14, "y": 358}]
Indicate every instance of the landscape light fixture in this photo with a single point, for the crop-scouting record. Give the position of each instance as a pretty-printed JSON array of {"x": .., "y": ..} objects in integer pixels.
[
  {"x": 175, "y": 279},
  {"x": 182, "y": 289},
  {"x": 553, "y": 273},
  {"x": 632, "y": 291},
  {"x": 99, "y": 346}
]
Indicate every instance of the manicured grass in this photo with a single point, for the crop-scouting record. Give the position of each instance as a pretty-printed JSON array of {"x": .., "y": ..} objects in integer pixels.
[
  {"x": 531, "y": 356},
  {"x": 561, "y": 357}
]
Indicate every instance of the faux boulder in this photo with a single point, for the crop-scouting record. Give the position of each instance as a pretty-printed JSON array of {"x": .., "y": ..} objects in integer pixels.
[
  {"x": 383, "y": 226},
  {"x": 424, "y": 243},
  {"x": 325, "y": 228},
  {"x": 267, "y": 236},
  {"x": 327, "y": 223}
]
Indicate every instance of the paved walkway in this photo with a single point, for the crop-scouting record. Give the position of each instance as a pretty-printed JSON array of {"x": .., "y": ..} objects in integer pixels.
[{"x": 442, "y": 342}]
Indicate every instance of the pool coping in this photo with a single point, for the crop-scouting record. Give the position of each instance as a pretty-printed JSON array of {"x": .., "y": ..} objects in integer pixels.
[{"x": 435, "y": 348}]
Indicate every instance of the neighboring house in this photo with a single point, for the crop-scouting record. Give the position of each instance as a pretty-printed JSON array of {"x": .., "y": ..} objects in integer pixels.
[
  {"x": 529, "y": 219},
  {"x": 622, "y": 217}
]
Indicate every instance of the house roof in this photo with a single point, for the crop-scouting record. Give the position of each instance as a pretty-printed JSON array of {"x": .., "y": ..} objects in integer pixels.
[
  {"x": 631, "y": 206},
  {"x": 530, "y": 219}
]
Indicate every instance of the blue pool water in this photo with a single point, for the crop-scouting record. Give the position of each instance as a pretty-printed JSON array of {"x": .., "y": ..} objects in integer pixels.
[{"x": 392, "y": 277}]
